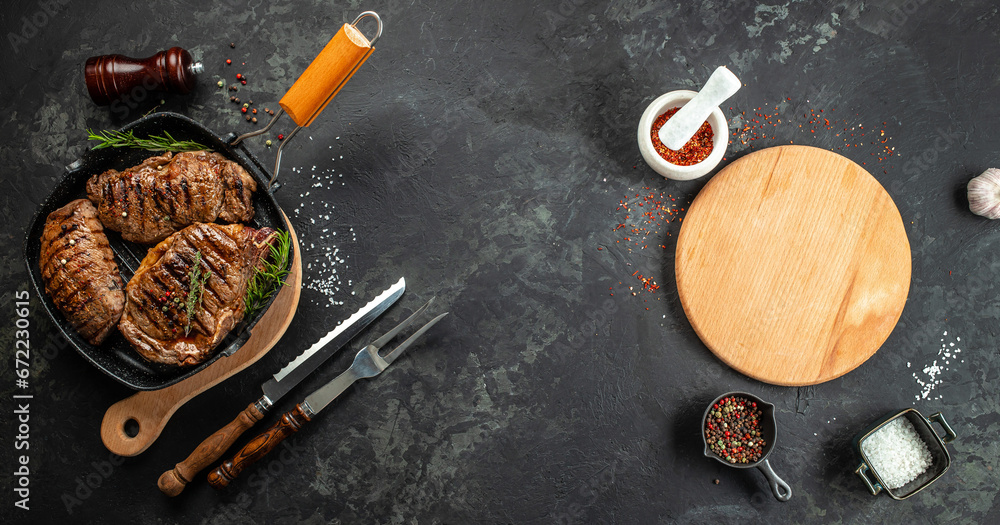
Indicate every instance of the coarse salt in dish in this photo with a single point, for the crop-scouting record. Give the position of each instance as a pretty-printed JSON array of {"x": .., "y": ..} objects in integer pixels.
[{"x": 896, "y": 453}]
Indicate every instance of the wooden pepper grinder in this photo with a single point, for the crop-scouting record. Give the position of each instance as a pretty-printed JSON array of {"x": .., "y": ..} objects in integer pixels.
[{"x": 113, "y": 77}]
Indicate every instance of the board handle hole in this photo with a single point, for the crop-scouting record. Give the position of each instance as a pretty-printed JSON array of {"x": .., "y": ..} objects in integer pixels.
[{"x": 131, "y": 427}]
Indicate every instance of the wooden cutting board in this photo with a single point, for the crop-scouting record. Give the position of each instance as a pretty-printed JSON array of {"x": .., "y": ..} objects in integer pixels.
[
  {"x": 793, "y": 265},
  {"x": 151, "y": 410}
]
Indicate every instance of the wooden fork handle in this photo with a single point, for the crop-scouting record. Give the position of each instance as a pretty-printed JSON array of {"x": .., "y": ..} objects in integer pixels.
[
  {"x": 258, "y": 447},
  {"x": 173, "y": 481}
]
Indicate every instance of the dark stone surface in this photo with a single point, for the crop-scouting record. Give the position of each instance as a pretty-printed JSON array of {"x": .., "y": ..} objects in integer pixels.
[{"x": 483, "y": 152}]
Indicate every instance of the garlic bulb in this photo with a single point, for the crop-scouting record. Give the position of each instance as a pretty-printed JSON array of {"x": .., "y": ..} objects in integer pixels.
[{"x": 984, "y": 194}]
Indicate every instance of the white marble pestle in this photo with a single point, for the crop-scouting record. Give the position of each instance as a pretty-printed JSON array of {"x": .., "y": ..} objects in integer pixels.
[{"x": 679, "y": 129}]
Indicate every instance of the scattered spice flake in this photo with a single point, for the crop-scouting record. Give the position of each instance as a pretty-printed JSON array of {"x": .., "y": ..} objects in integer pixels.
[
  {"x": 647, "y": 212},
  {"x": 759, "y": 128},
  {"x": 646, "y": 216},
  {"x": 648, "y": 284}
]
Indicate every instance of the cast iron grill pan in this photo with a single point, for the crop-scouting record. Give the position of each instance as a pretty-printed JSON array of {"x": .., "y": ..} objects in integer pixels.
[{"x": 116, "y": 357}]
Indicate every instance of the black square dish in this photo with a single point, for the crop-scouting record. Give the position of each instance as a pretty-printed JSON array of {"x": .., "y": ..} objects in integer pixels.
[{"x": 940, "y": 458}]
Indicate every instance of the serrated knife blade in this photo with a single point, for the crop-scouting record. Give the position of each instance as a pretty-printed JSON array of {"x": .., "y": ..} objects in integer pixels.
[{"x": 303, "y": 365}]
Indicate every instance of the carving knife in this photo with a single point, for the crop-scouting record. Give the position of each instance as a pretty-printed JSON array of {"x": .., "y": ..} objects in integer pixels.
[
  {"x": 367, "y": 363},
  {"x": 173, "y": 481}
]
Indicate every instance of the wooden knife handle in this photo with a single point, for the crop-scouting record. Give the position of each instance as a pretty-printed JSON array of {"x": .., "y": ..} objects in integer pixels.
[
  {"x": 327, "y": 73},
  {"x": 258, "y": 447},
  {"x": 173, "y": 481}
]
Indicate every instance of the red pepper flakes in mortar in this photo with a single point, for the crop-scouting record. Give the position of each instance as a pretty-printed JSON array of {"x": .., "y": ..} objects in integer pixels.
[{"x": 696, "y": 150}]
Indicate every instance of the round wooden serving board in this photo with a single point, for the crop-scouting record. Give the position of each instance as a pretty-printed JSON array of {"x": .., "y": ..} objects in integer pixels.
[
  {"x": 793, "y": 265},
  {"x": 152, "y": 409}
]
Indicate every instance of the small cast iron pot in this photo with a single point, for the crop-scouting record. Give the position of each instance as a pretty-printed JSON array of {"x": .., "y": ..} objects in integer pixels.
[{"x": 769, "y": 431}]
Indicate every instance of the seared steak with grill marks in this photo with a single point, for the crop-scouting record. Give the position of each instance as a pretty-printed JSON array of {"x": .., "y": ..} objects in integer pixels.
[
  {"x": 148, "y": 202},
  {"x": 79, "y": 270},
  {"x": 156, "y": 319}
]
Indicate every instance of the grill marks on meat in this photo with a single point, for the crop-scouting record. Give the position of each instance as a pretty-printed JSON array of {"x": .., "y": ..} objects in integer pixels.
[
  {"x": 163, "y": 194},
  {"x": 154, "y": 322},
  {"x": 87, "y": 287},
  {"x": 237, "y": 195}
]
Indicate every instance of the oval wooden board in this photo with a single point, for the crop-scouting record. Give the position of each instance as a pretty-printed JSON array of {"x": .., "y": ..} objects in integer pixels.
[
  {"x": 152, "y": 409},
  {"x": 793, "y": 265}
]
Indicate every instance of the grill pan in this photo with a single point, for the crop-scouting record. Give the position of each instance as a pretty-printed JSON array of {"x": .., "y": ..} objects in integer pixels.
[
  {"x": 303, "y": 102},
  {"x": 115, "y": 356}
]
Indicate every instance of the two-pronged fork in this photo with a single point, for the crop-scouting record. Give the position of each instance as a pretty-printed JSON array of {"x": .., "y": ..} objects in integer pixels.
[{"x": 367, "y": 363}]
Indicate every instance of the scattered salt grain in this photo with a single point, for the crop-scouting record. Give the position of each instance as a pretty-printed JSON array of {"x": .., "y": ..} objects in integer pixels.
[
  {"x": 930, "y": 378},
  {"x": 323, "y": 261},
  {"x": 896, "y": 453}
]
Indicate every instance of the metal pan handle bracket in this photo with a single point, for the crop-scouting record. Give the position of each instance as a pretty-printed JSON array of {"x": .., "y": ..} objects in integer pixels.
[
  {"x": 378, "y": 20},
  {"x": 321, "y": 81},
  {"x": 949, "y": 433},
  {"x": 260, "y": 131},
  {"x": 862, "y": 472},
  {"x": 277, "y": 156}
]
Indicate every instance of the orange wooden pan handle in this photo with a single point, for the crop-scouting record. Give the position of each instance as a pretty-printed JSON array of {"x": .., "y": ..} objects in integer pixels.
[
  {"x": 258, "y": 447},
  {"x": 324, "y": 77}
]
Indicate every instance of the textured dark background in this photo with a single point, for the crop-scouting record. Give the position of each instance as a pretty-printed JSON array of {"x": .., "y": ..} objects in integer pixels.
[{"x": 483, "y": 152}]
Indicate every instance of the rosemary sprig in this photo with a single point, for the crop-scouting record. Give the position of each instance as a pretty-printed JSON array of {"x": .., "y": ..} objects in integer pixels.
[
  {"x": 118, "y": 139},
  {"x": 269, "y": 276},
  {"x": 196, "y": 290}
]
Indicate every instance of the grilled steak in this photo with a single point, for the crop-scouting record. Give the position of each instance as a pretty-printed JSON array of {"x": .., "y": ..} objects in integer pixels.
[
  {"x": 148, "y": 202},
  {"x": 203, "y": 269},
  {"x": 79, "y": 270}
]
